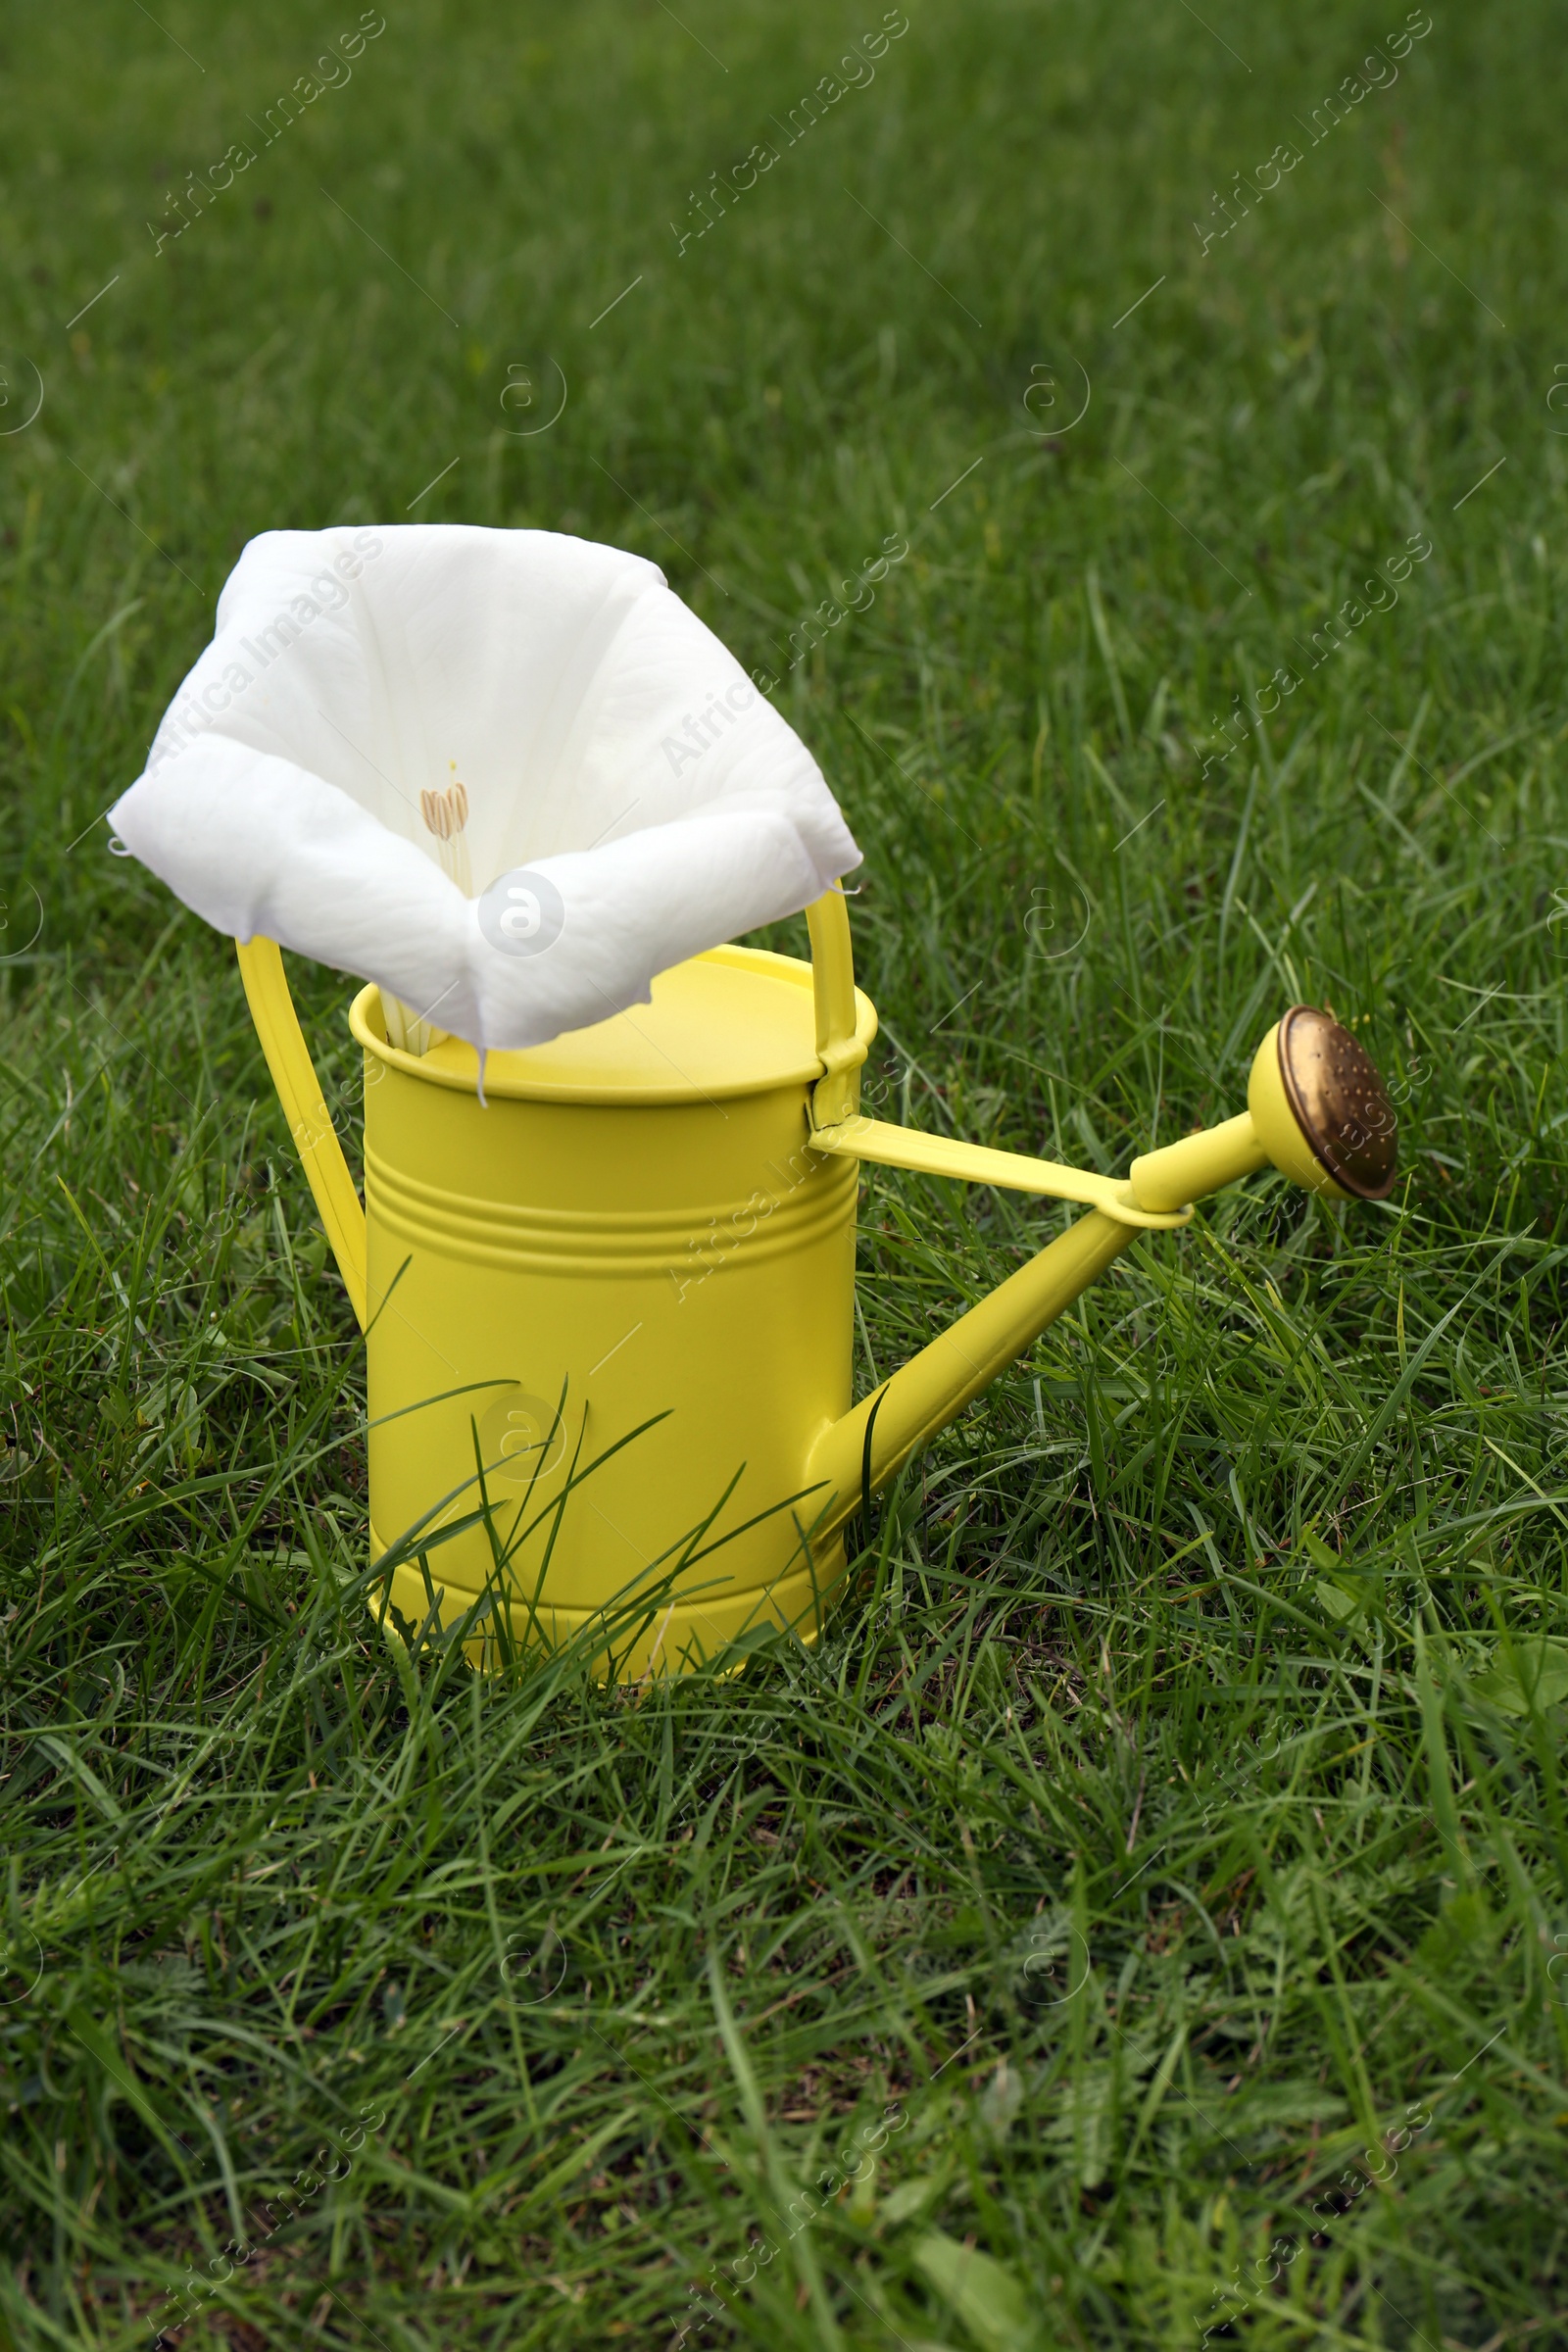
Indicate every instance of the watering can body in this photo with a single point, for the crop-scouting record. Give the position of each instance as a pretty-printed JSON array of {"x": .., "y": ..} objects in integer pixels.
[
  {"x": 623, "y": 1289},
  {"x": 607, "y": 1289}
]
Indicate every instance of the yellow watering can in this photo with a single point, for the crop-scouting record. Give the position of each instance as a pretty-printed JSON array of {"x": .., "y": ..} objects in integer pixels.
[{"x": 609, "y": 1300}]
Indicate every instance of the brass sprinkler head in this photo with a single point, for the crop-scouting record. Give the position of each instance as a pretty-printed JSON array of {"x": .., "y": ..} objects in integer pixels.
[{"x": 1321, "y": 1109}]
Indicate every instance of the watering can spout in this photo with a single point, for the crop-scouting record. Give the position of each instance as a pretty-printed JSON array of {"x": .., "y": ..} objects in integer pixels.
[{"x": 1317, "y": 1111}]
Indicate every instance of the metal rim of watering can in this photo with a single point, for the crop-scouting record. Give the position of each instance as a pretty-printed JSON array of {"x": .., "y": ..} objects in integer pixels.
[{"x": 1341, "y": 1103}]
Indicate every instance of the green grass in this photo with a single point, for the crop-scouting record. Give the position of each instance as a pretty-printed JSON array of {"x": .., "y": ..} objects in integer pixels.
[{"x": 1171, "y": 1827}]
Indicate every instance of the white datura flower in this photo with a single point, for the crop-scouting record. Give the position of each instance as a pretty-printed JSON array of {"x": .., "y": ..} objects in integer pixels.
[{"x": 507, "y": 775}]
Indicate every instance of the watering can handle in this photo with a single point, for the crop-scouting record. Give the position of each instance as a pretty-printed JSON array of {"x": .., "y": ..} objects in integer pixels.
[
  {"x": 836, "y": 1093},
  {"x": 288, "y": 1058}
]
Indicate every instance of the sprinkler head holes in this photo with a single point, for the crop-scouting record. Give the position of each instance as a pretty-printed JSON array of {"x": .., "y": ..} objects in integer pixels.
[{"x": 1340, "y": 1102}]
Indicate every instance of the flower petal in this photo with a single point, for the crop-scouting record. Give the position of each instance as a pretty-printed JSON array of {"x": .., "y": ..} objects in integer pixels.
[{"x": 391, "y": 726}]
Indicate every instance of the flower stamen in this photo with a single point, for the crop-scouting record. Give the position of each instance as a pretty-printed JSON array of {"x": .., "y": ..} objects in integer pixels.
[{"x": 446, "y": 816}]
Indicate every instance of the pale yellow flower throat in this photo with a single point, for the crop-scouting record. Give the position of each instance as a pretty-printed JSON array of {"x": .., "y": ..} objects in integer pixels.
[{"x": 446, "y": 817}]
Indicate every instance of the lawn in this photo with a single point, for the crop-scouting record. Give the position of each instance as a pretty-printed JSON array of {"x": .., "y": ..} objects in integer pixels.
[{"x": 1142, "y": 1913}]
